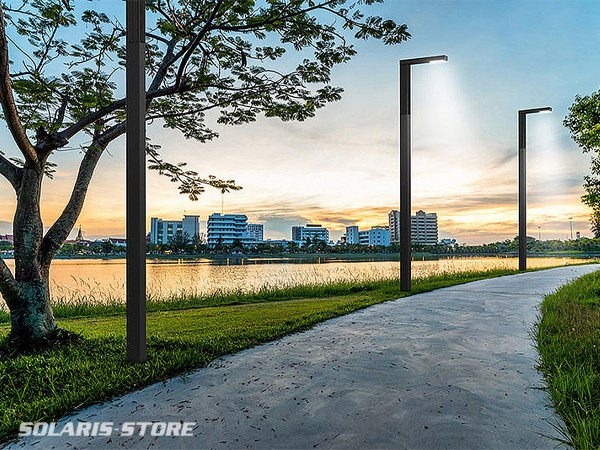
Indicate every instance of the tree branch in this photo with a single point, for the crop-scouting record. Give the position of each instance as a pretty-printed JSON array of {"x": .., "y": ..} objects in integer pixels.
[
  {"x": 167, "y": 61},
  {"x": 194, "y": 44},
  {"x": 157, "y": 37},
  {"x": 9, "y": 107},
  {"x": 60, "y": 230},
  {"x": 112, "y": 133},
  {"x": 60, "y": 114},
  {"x": 72, "y": 130},
  {"x": 272, "y": 20},
  {"x": 8, "y": 286},
  {"x": 10, "y": 171}
]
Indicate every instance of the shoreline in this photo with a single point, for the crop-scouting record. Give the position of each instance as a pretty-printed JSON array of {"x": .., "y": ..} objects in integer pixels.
[
  {"x": 323, "y": 257},
  {"x": 416, "y": 256}
]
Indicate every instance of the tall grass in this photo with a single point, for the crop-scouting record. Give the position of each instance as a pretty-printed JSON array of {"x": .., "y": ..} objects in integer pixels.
[
  {"x": 568, "y": 340},
  {"x": 91, "y": 303},
  {"x": 104, "y": 284}
]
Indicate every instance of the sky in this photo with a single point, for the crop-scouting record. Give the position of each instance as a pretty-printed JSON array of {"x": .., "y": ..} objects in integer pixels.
[{"x": 341, "y": 167}]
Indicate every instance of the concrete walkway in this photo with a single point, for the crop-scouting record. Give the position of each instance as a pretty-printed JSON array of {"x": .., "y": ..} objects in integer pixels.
[{"x": 452, "y": 368}]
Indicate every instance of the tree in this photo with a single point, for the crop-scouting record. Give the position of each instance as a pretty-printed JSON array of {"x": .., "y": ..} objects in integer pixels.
[
  {"x": 108, "y": 247},
  {"x": 179, "y": 242},
  {"x": 202, "y": 56},
  {"x": 583, "y": 121},
  {"x": 195, "y": 244}
]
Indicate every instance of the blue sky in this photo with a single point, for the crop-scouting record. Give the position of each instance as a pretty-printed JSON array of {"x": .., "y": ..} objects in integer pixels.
[{"x": 341, "y": 167}]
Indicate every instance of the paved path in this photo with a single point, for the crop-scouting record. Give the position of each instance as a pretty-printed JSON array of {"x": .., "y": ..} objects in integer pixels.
[{"x": 452, "y": 368}]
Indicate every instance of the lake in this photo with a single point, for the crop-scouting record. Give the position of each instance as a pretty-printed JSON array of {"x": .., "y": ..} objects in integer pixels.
[{"x": 99, "y": 281}]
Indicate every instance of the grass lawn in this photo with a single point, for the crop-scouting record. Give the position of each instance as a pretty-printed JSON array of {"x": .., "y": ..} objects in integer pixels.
[
  {"x": 568, "y": 340},
  {"x": 182, "y": 335}
]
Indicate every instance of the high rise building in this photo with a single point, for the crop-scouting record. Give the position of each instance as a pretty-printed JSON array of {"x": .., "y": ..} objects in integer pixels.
[
  {"x": 310, "y": 231},
  {"x": 424, "y": 228},
  {"x": 163, "y": 231},
  {"x": 296, "y": 233},
  {"x": 352, "y": 235},
  {"x": 256, "y": 232},
  {"x": 227, "y": 228},
  {"x": 394, "y": 225}
]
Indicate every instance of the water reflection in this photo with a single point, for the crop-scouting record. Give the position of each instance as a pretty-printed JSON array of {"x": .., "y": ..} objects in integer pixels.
[{"x": 98, "y": 281}]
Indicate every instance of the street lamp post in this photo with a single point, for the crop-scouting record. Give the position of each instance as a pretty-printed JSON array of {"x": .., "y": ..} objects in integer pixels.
[
  {"x": 136, "y": 180},
  {"x": 405, "y": 166},
  {"x": 571, "y": 226},
  {"x": 523, "y": 182}
]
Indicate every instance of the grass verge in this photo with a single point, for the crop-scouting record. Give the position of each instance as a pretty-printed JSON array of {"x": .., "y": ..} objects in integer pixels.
[
  {"x": 568, "y": 341},
  {"x": 182, "y": 336}
]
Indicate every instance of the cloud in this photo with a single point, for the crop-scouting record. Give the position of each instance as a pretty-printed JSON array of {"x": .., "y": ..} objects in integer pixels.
[{"x": 280, "y": 226}]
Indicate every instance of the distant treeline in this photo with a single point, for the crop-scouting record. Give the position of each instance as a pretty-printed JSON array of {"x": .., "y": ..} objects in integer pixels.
[
  {"x": 196, "y": 247},
  {"x": 583, "y": 245}
]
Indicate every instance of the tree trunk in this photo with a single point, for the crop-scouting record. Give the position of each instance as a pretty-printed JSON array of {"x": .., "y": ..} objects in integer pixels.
[{"x": 32, "y": 322}]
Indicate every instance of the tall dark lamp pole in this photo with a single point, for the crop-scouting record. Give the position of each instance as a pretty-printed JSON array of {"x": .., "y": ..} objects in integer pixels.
[
  {"x": 405, "y": 172},
  {"x": 136, "y": 180},
  {"x": 523, "y": 182}
]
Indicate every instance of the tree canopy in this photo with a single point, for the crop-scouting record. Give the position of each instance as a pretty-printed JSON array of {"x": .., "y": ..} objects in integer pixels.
[
  {"x": 202, "y": 55},
  {"x": 583, "y": 121}
]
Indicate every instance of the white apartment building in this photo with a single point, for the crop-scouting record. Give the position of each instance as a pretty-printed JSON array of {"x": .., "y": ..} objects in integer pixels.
[
  {"x": 352, "y": 235},
  {"x": 227, "y": 228},
  {"x": 375, "y": 236},
  {"x": 256, "y": 232},
  {"x": 163, "y": 231},
  {"x": 394, "y": 226},
  {"x": 310, "y": 231},
  {"x": 424, "y": 228}
]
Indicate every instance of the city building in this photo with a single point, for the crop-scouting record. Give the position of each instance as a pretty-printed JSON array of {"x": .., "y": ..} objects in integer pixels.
[
  {"x": 311, "y": 231},
  {"x": 191, "y": 226},
  {"x": 363, "y": 237},
  {"x": 79, "y": 239},
  {"x": 255, "y": 232},
  {"x": 394, "y": 226},
  {"x": 227, "y": 228},
  {"x": 296, "y": 233},
  {"x": 118, "y": 242},
  {"x": 375, "y": 236},
  {"x": 163, "y": 231},
  {"x": 448, "y": 241},
  {"x": 7, "y": 238},
  {"x": 424, "y": 228},
  {"x": 352, "y": 235},
  {"x": 379, "y": 236}
]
